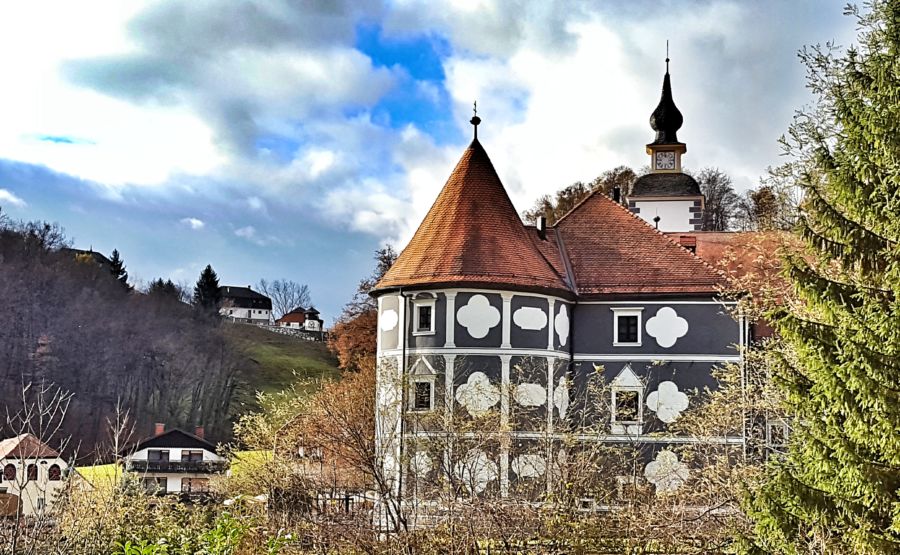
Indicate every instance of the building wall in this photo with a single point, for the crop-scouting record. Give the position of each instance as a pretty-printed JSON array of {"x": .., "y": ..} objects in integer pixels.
[
  {"x": 532, "y": 361},
  {"x": 489, "y": 351},
  {"x": 34, "y": 493},
  {"x": 173, "y": 480},
  {"x": 675, "y": 215},
  {"x": 174, "y": 454},
  {"x": 257, "y": 315}
]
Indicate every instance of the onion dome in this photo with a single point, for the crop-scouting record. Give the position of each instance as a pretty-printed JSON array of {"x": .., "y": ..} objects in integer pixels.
[{"x": 666, "y": 119}]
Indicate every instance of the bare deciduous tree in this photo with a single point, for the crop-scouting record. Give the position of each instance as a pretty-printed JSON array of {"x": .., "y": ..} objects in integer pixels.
[{"x": 286, "y": 295}]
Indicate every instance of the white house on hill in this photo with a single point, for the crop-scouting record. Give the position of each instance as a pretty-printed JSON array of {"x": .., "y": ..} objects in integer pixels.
[{"x": 243, "y": 304}]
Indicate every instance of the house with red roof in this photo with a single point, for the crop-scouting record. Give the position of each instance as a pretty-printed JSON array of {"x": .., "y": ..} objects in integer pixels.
[
  {"x": 482, "y": 314},
  {"x": 33, "y": 475}
]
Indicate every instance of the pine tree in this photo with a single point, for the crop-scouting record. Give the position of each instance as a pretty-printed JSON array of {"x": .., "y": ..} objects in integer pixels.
[
  {"x": 206, "y": 291},
  {"x": 163, "y": 289},
  {"x": 837, "y": 490},
  {"x": 117, "y": 268}
]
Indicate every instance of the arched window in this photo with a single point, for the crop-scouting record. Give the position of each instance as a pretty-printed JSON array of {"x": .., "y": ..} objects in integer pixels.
[
  {"x": 9, "y": 472},
  {"x": 54, "y": 473},
  {"x": 31, "y": 473}
]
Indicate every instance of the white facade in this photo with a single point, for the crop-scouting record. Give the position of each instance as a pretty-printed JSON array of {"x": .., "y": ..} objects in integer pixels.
[
  {"x": 32, "y": 482},
  {"x": 256, "y": 315},
  {"x": 674, "y": 215},
  {"x": 166, "y": 466}
]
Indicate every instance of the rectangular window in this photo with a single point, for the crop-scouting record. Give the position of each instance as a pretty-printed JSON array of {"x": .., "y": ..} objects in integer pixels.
[
  {"x": 423, "y": 315},
  {"x": 628, "y": 406},
  {"x": 191, "y": 456},
  {"x": 422, "y": 392},
  {"x": 154, "y": 485},
  {"x": 627, "y": 326},
  {"x": 628, "y": 329},
  {"x": 777, "y": 432},
  {"x": 156, "y": 455},
  {"x": 194, "y": 485}
]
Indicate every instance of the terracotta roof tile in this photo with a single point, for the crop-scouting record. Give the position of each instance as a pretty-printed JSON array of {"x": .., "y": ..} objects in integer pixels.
[
  {"x": 612, "y": 251},
  {"x": 472, "y": 235},
  {"x": 26, "y": 446}
]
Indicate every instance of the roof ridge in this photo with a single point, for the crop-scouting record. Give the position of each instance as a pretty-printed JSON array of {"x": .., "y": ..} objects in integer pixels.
[
  {"x": 667, "y": 238},
  {"x": 580, "y": 202}
]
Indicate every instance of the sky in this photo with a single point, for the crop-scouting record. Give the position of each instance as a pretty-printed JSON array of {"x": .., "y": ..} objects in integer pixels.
[{"x": 290, "y": 139}]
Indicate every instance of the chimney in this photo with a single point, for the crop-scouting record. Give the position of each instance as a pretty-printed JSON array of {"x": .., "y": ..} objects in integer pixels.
[
  {"x": 198, "y": 431},
  {"x": 688, "y": 242},
  {"x": 617, "y": 194},
  {"x": 541, "y": 226},
  {"x": 159, "y": 429}
]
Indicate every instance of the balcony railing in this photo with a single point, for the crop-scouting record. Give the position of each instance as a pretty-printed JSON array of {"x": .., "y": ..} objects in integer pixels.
[{"x": 190, "y": 467}]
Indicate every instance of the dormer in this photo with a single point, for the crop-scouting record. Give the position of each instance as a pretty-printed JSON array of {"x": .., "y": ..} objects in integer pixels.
[{"x": 667, "y": 198}]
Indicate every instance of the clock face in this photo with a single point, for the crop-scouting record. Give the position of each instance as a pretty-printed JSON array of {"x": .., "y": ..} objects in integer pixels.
[{"x": 665, "y": 160}]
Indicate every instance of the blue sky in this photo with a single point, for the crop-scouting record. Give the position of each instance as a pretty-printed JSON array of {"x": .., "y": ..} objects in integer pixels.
[{"x": 279, "y": 139}]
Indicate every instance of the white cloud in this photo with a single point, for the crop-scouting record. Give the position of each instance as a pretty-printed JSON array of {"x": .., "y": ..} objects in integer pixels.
[
  {"x": 564, "y": 89},
  {"x": 8, "y": 197},
  {"x": 193, "y": 223},
  {"x": 247, "y": 232}
]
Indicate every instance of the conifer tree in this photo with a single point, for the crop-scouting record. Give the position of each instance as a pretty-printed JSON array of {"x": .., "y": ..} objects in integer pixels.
[
  {"x": 206, "y": 291},
  {"x": 837, "y": 490},
  {"x": 165, "y": 289},
  {"x": 117, "y": 268}
]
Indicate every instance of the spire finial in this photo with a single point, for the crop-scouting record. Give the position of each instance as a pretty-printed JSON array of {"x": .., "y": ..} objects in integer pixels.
[
  {"x": 475, "y": 119},
  {"x": 667, "y": 55}
]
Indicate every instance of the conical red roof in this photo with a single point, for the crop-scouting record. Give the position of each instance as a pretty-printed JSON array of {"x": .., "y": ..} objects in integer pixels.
[{"x": 472, "y": 236}]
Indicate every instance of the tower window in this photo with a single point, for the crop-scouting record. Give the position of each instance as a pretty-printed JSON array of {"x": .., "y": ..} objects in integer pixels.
[
  {"x": 627, "y": 326},
  {"x": 423, "y": 315}
]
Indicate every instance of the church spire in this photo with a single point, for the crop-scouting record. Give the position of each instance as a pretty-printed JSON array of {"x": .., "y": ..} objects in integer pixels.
[{"x": 666, "y": 119}]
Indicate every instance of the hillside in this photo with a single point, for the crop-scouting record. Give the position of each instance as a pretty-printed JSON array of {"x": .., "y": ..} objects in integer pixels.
[{"x": 276, "y": 361}]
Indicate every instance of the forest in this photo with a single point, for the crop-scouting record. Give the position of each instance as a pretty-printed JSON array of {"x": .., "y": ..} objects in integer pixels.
[{"x": 70, "y": 322}]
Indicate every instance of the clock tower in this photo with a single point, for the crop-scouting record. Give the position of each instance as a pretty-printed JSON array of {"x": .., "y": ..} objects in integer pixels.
[{"x": 667, "y": 198}]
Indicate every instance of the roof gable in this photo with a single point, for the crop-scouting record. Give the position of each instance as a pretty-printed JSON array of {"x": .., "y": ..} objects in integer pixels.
[
  {"x": 472, "y": 235},
  {"x": 174, "y": 438},
  {"x": 612, "y": 252},
  {"x": 26, "y": 446}
]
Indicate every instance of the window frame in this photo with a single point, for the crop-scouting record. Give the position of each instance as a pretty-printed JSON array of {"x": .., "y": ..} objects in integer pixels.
[
  {"x": 627, "y": 311},
  {"x": 620, "y": 427},
  {"x": 190, "y": 453},
  {"x": 414, "y": 382},
  {"x": 164, "y": 455},
  {"x": 10, "y": 476},
  {"x": 54, "y": 469},
  {"x": 421, "y": 303},
  {"x": 785, "y": 433},
  {"x": 189, "y": 481},
  {"x": 32, "y": 473}
]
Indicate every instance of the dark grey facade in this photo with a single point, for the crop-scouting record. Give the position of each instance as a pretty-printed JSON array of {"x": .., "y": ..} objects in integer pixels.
[{"x": 531, "y": 364}]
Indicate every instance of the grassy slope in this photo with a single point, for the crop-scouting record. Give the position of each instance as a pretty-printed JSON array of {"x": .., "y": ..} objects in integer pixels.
[{"x": 276, "y": 361}]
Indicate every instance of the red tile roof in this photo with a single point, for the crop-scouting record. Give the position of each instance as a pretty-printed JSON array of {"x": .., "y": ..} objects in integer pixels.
[
  {"x": 26, "y": 446},
  {"x": 297, "y": 317},
  {"x": 473, "y": 236},
  {"x": 612, "y": 251}
]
